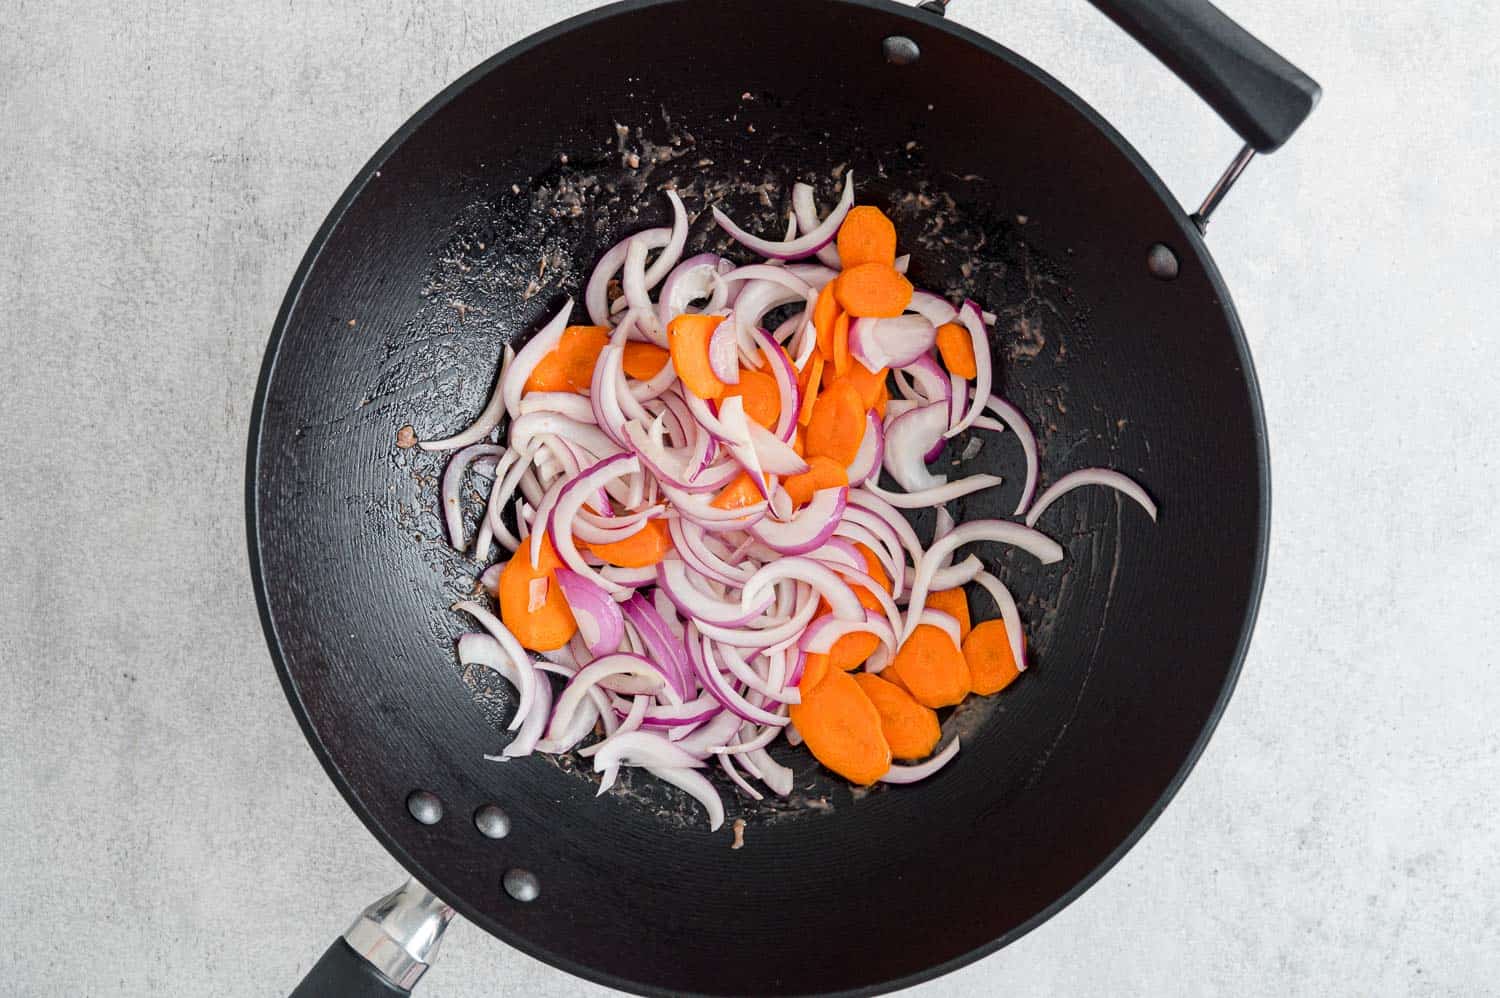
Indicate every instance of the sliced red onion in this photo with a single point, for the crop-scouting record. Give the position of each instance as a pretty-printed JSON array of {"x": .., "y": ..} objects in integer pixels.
[
  {"x": 932, "y": 382},
  {"x": 452, "y": 487},
  {"x": 644, "y": 677},
  {"x": 891, "y": 517},
  {"x": 958, "y": 399},
  {"x": 489, "y": 580},
  {"x": 637, "y": 297},
  {"x": 770, "y": 636},
  {"x": 824, "y": 633},
  {"x": 781, "y": 505},
  {"x": 513, "y": 382},
  {"x": 720, "y": 726},
  {"x": 837, "y": 552},
  {"x": 709, "y": 517},
  {"x": 738, "y": 780},
  {"x": 866, "y": 464},
  {"x": 802, "y": 246},
  {"x": 697, "y": 787},
  {"x": 695, "y": 604},
  {"x": 756, "y": 299},
  {"x": 932, "y": 308},
  {"x": 526, "y": 678},
  {"x": 724, "y": 354},
  {"x": 913, "y": 774},
  {"x": 808, "y": 529},
  {"x": 908, "y": 438},
  {"x": 825, "y": 582},
  {"x": 1036, "y": 544},
  {"x": 805, "y": 207},
  {"x": 983, "y": 374},
  {"x": 938, "y": 494},
  {"x": 786, "y": 384},
  {"x": 1009, "y": 614},
  {"x": 694, "y": 279},
  {"x": 943, "y": 621},
  {"x": 902, "y": 263},
  {"x": 793, "y": 736},
  {"x": 955, "y": 576},
  {"x": 688, "y": 542},
  {"x": 592, "y": 439},
  {"x": 572, "y": 497},
  {"x": 772, "y": 773},
  {"x": 672, "y": 252},
  {"x": 706, "y": 667},
  {"x": 598, "y": 616},
  {"x": 481, "y": 649},
  {"x": 812, "y": 274},
  {"x": 776, "y": 275},
  {"x": 879, "y": 343},
  {"x": 740, "y": 669},
  {"x": 568, "y": 404},
  {"x": 489, "y": 417},
  {"x": 736, "y": 426},
  {"x": 596, "y": 294},
  {"x": 1091, "y": 476},
  {"x": 775, "y": 455},
  {"x": 1018, "y": 424},
  {"x": 642, "y": 748},
  {"x": 663, "y": 646}
]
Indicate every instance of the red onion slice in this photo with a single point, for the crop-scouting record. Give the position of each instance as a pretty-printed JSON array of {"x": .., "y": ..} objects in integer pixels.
[
  {"x": 1009, "y": 614},
  {"x": 945, "y": 622},
  {"x": 489, "y": 417},
  {"x": 824, "y": 580},
  {"x": 786, "y": 384},
  {"x": 932, "y": 308},
  {"x": 913, "y": 774},
  {"x": 694, "y": 279},
  {"x": 724, "y": 354},
  {"x": 908, "y": 438},
  {"x": 923, "y": 498},
  {"x": 984, "y": 375},
  {"x": 802, "y": 246},
  {"x": 663, "y": 646},
  {"x": 596, "y": 293},
  {"x": 1016, "y": 420},
  {"x": 672, "y": 252},
  {"x": 572, "y": 497},
  {"x": 1036, "y": 544},
  {"x": 866, "y": 464},
  {"x": 706, "y": 667},
  {"x": 807, "y": 530},
  {"x": 527, "y": 677},
  {"x": 450, "y": 494},
  {"x": 805, "y": 208},
  {"x": 643, "y": 748},
  {"x": 564, "y": 403},
  {"x": 688, "y": 542},
  {"x": 1091, "y": 476},
  {"x": 643, "y": 676},
  {"x": 823, "y": 633},
  {"x": 878, "y": 343},
  {"x": 481, "y": 649},
  {"x": 695, "y": 786},
  {"x": 513, "y": 381},
  {"x": 599, "y": 619},
  {"x": 695, "y": 604}
]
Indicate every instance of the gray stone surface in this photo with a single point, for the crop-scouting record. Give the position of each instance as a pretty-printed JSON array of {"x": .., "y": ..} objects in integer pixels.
[{"x": 162, "y": 167}]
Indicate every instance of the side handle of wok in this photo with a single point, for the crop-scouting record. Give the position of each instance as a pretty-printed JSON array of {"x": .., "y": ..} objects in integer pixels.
[
  {"x": 1258, "y": 93},
  {"x": 385, "y": 952}
]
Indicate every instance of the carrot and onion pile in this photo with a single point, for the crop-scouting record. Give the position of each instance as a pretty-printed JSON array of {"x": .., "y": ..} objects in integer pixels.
[{"x": 706, "y": 556}]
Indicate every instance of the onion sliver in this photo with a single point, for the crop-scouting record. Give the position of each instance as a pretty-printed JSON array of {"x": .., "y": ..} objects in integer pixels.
[
  {"x": 808, "y": 529},
  {"x": 804, "y": 245},
  {"x": 596, "y": 293},
  {"x": 489, "y": 416},
  {"x": 878, "y": 343},
  {"x": 823, "y": 579},
  {"x": 984, "y": 375},
  {"x": 805, "y": 208},
  {"x": 866, "y": 464},
  {"x": 599, "y": 618},
  {"x": 912, "y": 774},
  {"x": 697, "y": 787},
  {"x": 1091, "y": 476},
  {"x": 664, "y": 646},
  {"x": 1008, "y": 613},
  {"x": 643, "y": 748},
  {"x": 572, "y": 497},
  {"x": 940, "y": 494},
  {"x": 824, "y": 632},
  {"x": 648, "y": 679},
  {"x": 481, "y": 649},
  {"x": 1013, "y": 418},
  {"x": 527, "y": 676},
  {"x": 1038, "y": 545},
  {"x": 907, "y": 441},
  {"x": 452, "y": 486}
]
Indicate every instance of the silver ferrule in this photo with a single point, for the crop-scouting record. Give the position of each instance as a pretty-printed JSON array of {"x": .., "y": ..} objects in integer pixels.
[{"x": 399, "y": 934}]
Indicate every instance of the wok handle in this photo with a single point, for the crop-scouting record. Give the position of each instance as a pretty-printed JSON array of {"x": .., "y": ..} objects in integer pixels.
[
  {"x": 385, "y": 952},
  {"x": 1258, "y": 93}
]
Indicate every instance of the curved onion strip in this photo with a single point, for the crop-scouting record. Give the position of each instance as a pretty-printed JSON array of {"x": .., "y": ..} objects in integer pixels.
[
  {"x": 1008, "y": 613},
  {"x": 695, "y": 604},
  {"x": 824, "y": 580},
  {"x": 596, "y": 293},
  {"x": 672, "y": 252},
  {"x": 489, "y": 417},
  {"x": 631, "y": 722},
  {"x": 1016, "y": 420},
  {"x": 564, "y": 403},
  {"x": 527, "y": 687},
  {"x": 984, "y": 375},
  {"x": 910, "y": 437},
  {"x": 1091, "y": 476},
  {"x": 942, "y": 493},
  {"x": 1038, "y": 545},
  {"x": 584, "y": 435},
  {"x": 452, "y": 486},
  {"x": 572, "y": 497},
  {"x": 649, "y": 680},
  {"x": 805, "y": 208},
  {"x": 481, "y": 649},
  {"x": 820, "y": 638},
  {"x": 912, "y": 774},
  {"x": 957, "y": 575},
  {"x": 867, "y": 461},
  {"x": 945, "y": 622},
  {"x": 706, "y": 665},
  {"x": 600, "y": 622},
  {"x": 743, "y": 638},
  {"x": 695, "y": 786},
  {"x": 688, "y": 541},
  {"x": 726, "y": 764},
  {"x": 642, "y": 748},
  {"x": 802, "y": 246}
]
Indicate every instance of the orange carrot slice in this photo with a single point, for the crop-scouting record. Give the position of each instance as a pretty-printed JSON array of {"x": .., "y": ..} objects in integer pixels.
[
  {"x": 569, "y": 366},
  {"x": 873, "y": 290},
  {"x": 825, "y": 312},
  {"x": 738, "y": 494},
  {"x": 841, "y": 358},
  {"x": 821, "y": 473},
  {"x": 956, "y": 347},
  {"x": 911, "y": 730},
  {"x": 853, "y": 649},
  {"x": 688, "y": 336},
  {"x": 954, "y": 602},
  {"x": 762, "y": 398},
  {"x": 837, "y": 426},
  {"x": 932, "y": 667},
  {"x": 992, "y": 665},
  {"x": 814, "y": 671},
  {"x": 869, "y": 384},
  {"x": 541, "y": 625},
  {"x": 647, "y": 546},
  {"x": 842, "y": 729},
  {"x": 812, "y": 379},
  {"x": 866, "y": 236},
  {"x": 881, "y": 400},
  {"x": 644, "y": 361}
]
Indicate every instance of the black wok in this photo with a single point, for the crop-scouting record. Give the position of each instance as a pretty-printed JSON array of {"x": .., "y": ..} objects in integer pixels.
[{"x": 1115, "y": 332}]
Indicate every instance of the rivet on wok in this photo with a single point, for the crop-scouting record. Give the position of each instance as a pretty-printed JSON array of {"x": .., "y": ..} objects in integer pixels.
[
  {"x": 522, "y": 885},
  {"x": 492, "y": 822},
  {"x": 1162, "y": 262},
  {"x": 425, "y": 806},
  {"x": 900, "y": 50}
]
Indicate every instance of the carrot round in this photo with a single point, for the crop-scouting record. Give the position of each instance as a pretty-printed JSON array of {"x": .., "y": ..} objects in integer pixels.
[
  {"x": 822, "y": 473},
  {"x": 873, "y": 291},
  {"x": 738, "y": 494},
  {"x": 868, "y": 383},
  {"x": 956, "y": 347},
  {"x": 644, "y": 361},
  {"x": 866, "y": 236},
  {"x": 538, "y": 615},
  {"x": 841, "y": 358},
  {"x": 842, "y": 729},
  {"x": 688, "y": 336},
  {"x": 814, "y": 670},
  {"x": 569, "y": 366},
  {"x": 646, "y": 546},
  {"x": 825, "y": 312},
  {"x": 837, "y": 426},
  {"x": 992, "y": 665},
  {"x": 853, "y": 649},
  {"x": 954, "y": 602},
  {"x": 911, "y": 730},
  {"x": 932, "y": 667},
  {"x": 762, "y": 397},
  {"x": 880, "y": 401},
  {"x": 812, "y": 380}
]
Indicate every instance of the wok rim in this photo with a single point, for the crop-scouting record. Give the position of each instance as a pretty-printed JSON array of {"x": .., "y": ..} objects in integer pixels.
[{"x": 1190, "y": 237}]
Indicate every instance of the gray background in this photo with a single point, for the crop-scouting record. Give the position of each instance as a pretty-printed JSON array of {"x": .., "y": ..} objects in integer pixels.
[{"x": 166, "y": 831}]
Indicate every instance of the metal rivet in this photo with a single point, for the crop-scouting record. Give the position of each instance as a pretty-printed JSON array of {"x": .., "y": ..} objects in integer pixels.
[
  {"x": 1162, "y": 262},
  {"x": 522, "y": 885},
  {"x": 425, "y": 806},
  {"x": 492, "y": 822},
  {"x": 900, "y": 50}
]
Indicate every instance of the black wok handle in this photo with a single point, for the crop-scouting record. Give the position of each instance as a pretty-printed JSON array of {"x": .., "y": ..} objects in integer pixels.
[
  {"x": 1258, "y": 93},
  {"x": 385, "y": 952}
]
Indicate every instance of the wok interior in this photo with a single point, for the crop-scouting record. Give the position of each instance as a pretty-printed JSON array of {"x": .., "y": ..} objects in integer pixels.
[{"x": 1002, "y": 191}]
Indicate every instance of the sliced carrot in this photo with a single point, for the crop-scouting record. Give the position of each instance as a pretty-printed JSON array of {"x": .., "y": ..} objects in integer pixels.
[
  {"x": 646, "y": 546},
  {"x": 911, "y": 730},
  {"x": 895, "y": 681},
  {"x": 798, "y": 444},
  {"x": 825, "y": 311},
  {"x": 837, "y": 426},
  {"x": 956, "y": 347},
  {"x": 822, "y": 473},
  {"x": 813, "y": 378},
  {"x": 869, "y": 384},
  {"x": 932, "y": 667},
  {"x": 814, "y": 670},
  {"x": 543, "y": 626},
  {"x": 866, "y": 236},
  {"x": 841, "y": 358},
  {"x": 689, "y": 335},
  {"x": 874, "y": 567},
  {"x": 992, "y": 665},
  {"x": 852, "y": 650},
  {"x": 954, "y": 602},
  {"x": 842, "y": 729},
  {"x": 880, "y": 401},
  {"x": 569, "y": 366},
  {"x": 738, "y": 494},
  {"x": 873, "y": 290},
  {"x": 644, "y": 361},
  {"x": 762, "y": 398}
]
